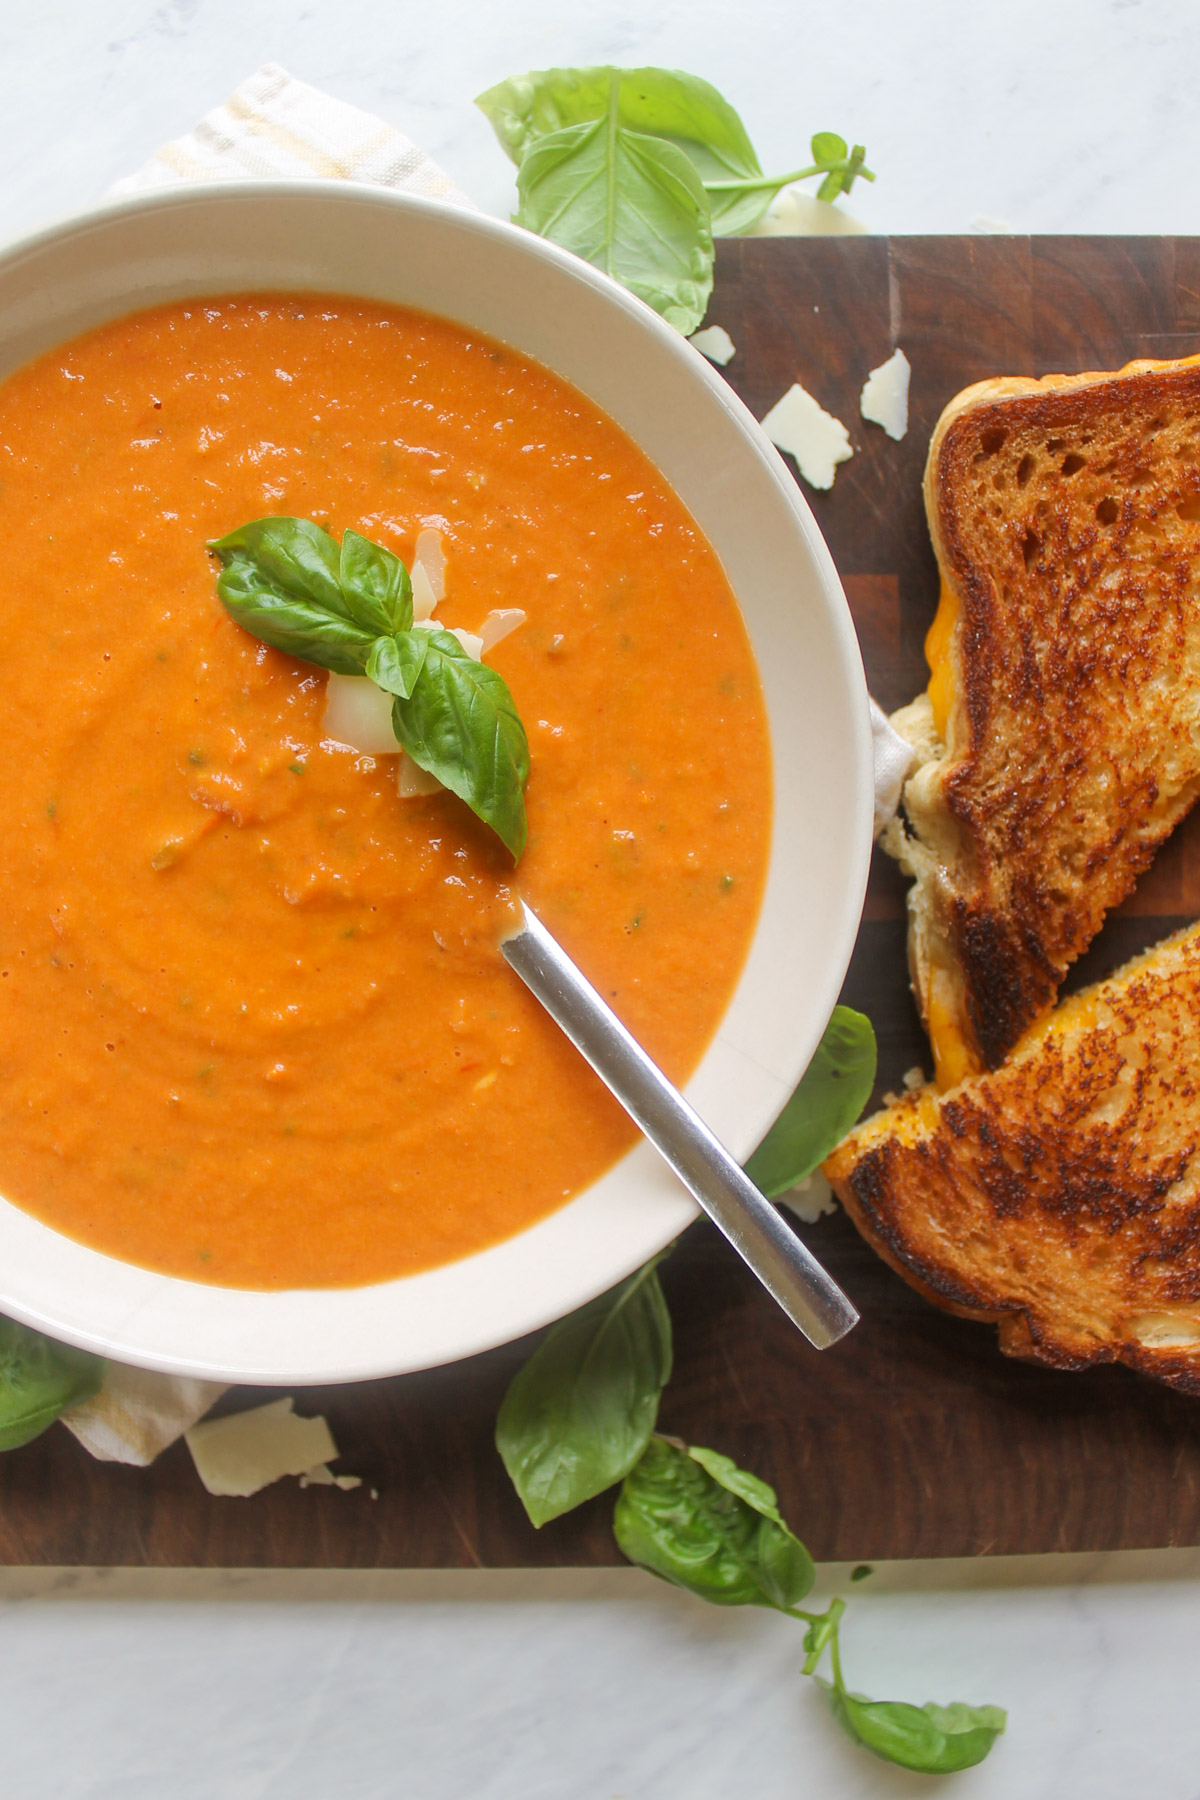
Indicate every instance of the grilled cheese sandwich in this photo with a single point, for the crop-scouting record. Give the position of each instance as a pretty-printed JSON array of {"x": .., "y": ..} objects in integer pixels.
[
  {"x": 1059, "y": 737},
  {"x": 1059, "y": 1196}
]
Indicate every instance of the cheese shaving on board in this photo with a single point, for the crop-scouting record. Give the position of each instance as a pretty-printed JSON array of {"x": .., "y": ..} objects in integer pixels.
[
  {"x": 246, "y": 1451},
  {"x": 802, "y": 427},
  {"x": 885, "y": 395},
  {"x": 715, "y": 343}
]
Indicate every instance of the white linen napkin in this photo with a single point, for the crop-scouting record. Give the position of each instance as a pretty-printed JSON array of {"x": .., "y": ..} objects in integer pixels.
[{"x": 275, "y": 126}]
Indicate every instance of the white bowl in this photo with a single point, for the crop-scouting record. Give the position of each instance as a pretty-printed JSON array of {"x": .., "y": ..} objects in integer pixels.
[{"x": 338, "y": 238}]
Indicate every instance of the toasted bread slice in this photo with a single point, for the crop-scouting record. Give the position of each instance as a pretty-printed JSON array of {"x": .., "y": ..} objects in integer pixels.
[
  {"x": 1059, "y": 1196},
  {"x": 1059, "y": 741}
]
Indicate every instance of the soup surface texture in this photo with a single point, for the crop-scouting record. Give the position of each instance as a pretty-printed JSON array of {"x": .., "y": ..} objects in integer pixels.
[{"x": 254, "y": 1025}]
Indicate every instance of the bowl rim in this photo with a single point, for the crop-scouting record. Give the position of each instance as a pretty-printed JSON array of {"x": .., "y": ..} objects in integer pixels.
[{"x": 656, "y": 1226}]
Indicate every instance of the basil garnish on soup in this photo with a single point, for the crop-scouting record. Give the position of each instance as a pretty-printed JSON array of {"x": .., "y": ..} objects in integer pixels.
[{"x": 349, "y": 608}]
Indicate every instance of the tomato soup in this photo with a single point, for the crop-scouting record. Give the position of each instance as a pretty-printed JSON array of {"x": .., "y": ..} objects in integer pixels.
[{"x": 255, "y": 1028}]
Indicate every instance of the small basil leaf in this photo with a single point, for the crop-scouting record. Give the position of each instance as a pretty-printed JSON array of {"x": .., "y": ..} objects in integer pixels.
[
  {"x": 294, "y": 556},
  {"x": 934, "y": 1740},
  {"x": 375, "y": 585},
  {"x": 828, "y": 147},
  {"x": 297, "y": 627},
  {"x": 395, "y": 662},
  {"x": 280, "y": 581},
  {"x": 39, "y": 1379},
  {"x": 581, "y": 1411},
  {"x": 747, "y": 1487},
  {"x": 695, "y": 1528},
  {"x": 630, "y": 204},
  {"x": 832, "y": 1093},
  {"x": 460, "y": 724}
]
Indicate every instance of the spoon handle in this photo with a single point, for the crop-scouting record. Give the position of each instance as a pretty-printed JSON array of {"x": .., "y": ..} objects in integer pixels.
[{"x": 810, "y": 1298}]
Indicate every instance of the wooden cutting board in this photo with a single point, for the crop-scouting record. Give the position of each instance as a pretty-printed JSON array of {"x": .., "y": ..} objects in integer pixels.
[{"x": 914, "y": 1437}]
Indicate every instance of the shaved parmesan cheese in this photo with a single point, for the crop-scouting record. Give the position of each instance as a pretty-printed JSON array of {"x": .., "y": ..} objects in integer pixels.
[
  {"x": 810, "y": 1199},
  {"x": 413, "y": 783},
  {"x": 714, "y": 342},
  {"x": 359, "y": 715},
  {"x": 472, "y": 644},
  {"x": 498, "y": 624},
  {"x": 424, "y": 598},
  {"x": 806, "y": 431},
  {"x": 885, "y": 395},
  {"x": 432, "y": 558},
  {"x": 246, "y": 1451}
]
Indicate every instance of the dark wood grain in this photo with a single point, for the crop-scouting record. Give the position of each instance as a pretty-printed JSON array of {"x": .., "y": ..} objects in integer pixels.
[{"x": 914, "y": 1437}]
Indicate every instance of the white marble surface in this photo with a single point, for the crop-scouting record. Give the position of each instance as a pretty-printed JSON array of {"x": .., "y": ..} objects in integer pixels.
[
  {"x": 1052, "y": 115},
  {"x": 569, "y": 1686},
  {"x": 1056, "y": 115}
]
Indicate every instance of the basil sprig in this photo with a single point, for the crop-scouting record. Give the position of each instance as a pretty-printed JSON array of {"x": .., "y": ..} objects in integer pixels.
[
  {"x": 580, "y": 1416},
  {"x": 636, "y": 170},
  {"x": 581, "y": 1412},
  {"x": 349, "y": 608},
  {"x": 39, "y": 1379},
  {"x": 933, "y": 1740},
  {"x": 832, "y": 1093},
  {"x": 692, "y": 1517}
]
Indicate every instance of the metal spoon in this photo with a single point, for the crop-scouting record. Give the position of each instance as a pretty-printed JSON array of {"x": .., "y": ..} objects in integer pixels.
[{"x": 810, "y": 1298}]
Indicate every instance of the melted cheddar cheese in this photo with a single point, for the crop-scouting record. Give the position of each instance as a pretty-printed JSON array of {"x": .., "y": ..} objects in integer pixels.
[
  {"x": 937, "y": 655},
  {"x": 953, "y": 1060}
]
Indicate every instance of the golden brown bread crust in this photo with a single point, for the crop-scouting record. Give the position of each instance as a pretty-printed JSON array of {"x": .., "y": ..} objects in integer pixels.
[
  {"x": 1059, "y": 1196},
  {"x": 1065, "y": 516}
]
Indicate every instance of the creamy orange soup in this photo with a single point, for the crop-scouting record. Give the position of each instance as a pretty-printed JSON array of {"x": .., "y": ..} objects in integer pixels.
[{"x": 255, "y": 1028}]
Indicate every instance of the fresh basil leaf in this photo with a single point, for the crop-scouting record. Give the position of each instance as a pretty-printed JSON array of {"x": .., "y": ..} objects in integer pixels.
[
  {"x": 832, "y": 1093},
  {"x": 375, "y": 585},
  {"x": 663, "y": 102},
  {"x": 666, "y": 103},
  {"x": 297, "y": 556},
  {"x": 395, "y": 662},
  {"x": 698, "y": 1521},
  {"x": 581, "y": 1411},
  {"x": 630, "y": 204},
  {"x": 280, "y": 581},
  {"x": 747, "y": 1487},
  {"x": 934, "y": 1740},
  {"x": 460, "y": 724},
  {"x": 39, "y": 1379}
]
